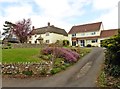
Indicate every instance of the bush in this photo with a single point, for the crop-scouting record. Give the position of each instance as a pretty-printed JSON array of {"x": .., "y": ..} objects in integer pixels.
[
  {"x": 65, "y": 53},
  {"x": 89, "y": 45},
  {"x": 112, "y": 55},
  {"x": 29, "y": 73},
  {"x": 55, "y": 70},
  {"x": 63, "y": 67},
  {"x": 65, "y": 43}
]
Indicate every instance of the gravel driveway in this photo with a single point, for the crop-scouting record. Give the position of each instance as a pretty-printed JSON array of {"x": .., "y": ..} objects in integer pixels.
[{"x": 83, "y": 74}]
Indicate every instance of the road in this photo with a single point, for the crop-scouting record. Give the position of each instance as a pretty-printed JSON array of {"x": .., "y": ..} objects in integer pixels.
[{"x": 83, "y": 74}]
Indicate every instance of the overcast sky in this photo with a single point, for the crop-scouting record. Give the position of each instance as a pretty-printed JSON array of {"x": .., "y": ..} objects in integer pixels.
[{"x": 60, "y": 13}]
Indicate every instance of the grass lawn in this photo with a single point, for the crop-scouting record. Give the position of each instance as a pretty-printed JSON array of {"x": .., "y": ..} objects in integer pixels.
[
  {"x": 28, "y": 54},
  {"x": 21, "y": 55}
]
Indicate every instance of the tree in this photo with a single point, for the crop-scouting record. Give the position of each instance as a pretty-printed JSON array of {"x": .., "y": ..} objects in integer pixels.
[
  {"x": 22, "y": 29},
  {"x": 8, "y": 28}
]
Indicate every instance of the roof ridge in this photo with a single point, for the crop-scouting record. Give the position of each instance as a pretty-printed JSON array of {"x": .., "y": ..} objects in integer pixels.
[{"x": 88, "y": 24}]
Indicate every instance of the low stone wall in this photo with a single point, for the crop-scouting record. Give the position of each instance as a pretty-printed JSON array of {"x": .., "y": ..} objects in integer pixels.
[
  {"x": 26, "y": 45},
  {"x": 26, "y": 69}
]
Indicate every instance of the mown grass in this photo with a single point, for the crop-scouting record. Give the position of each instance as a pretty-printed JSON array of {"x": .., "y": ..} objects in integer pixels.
[
  {"x": 20, "y": 55},
  {"x": 28, "y": 54}
]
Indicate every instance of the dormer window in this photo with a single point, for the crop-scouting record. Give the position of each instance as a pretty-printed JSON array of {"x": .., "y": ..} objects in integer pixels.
[
  {"x": 74, "y": 35},
  {"x": 47, "y": 33}
]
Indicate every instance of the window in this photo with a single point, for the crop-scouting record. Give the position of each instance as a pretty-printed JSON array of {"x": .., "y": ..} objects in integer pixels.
[
  {"x": 35, "y": 41},
  {"x": 47, "y": 41},
  {"x": 73, "y": 35},
  {"x": 30, "y": 42},
  {"x": 82, "y": 43},
  {"x": 73, "y": 43},
  {"x": 94, "y": 41},
  {"x": 82, "y": 34},
  {"x": 30, "y": 36},
  {"x": 47, "y": 33},
  {"x": 35, "y": 35},
  {"x": 93, "y": 33}
]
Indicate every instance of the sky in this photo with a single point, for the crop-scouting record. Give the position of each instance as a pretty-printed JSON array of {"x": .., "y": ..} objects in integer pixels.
[{"x": 60, "y": 13}]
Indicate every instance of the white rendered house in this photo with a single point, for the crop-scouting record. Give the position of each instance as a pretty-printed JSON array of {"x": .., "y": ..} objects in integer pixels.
[
  {"x": 92, "y": 33},
  {"x": 48, "y": 34}
]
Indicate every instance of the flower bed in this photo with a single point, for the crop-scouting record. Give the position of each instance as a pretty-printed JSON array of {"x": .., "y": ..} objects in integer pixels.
[{"x": 67, "y": 54}]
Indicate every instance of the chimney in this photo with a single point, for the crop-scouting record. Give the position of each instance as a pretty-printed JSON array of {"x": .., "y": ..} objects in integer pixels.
[
  {"x": 48, "y": 23},
  {"x": 33, "y": 27}
]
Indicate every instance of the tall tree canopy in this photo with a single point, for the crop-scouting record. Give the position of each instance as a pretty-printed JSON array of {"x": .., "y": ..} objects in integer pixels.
[
  {"x": 8, "y": 28},
  {"x": 22, "y": 29}
]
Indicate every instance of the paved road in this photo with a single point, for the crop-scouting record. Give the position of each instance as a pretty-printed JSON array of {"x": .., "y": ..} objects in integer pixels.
[{"x": 83, "y": 74}]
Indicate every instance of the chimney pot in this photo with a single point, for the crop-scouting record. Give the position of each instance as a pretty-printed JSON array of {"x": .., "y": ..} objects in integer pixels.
[
  {"x": 48, "y": 23},
  {"x": 33, "y": 27}
]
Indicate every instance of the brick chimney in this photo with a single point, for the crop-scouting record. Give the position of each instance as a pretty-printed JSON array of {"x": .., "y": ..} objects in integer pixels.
[
  {"x": 33, "y": 27},
  {"x": 48, "y": 23}
]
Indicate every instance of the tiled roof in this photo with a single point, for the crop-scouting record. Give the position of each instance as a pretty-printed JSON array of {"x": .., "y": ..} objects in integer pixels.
[
  {"x": 51, "y": 29},
  {"x": 85, "y": 28},
  {"x": 108, "y": 33},
  {"x": 88, "y": 38}
]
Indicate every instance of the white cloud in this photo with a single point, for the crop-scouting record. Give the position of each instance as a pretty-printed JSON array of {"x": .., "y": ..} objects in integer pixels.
[
  {"x": 104, "y": 4},
  {"x": 61, "y": 8},
  {"x": 8, "y": 0},
  {"x": 18, "y": 12},
  {"x": 110, "y": 20}
]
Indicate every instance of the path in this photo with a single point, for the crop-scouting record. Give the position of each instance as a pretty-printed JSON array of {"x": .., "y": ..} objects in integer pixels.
[{"x": 83, "y": 74}]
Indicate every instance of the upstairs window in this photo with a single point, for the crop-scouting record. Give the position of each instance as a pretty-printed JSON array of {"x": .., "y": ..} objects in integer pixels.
[
  {"x": 82, "y": 34},
  {"x": 73, "y": 35},
  {"x": 93, "y": 33}
]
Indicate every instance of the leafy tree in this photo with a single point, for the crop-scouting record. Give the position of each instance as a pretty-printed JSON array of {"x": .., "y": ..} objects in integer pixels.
[
  {"x": 8, "y": 28},
  {"x": 22, "y": 29}
]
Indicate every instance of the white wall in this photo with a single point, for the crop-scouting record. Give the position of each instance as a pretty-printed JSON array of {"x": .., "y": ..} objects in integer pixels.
[{"x": 53, "y": 37}]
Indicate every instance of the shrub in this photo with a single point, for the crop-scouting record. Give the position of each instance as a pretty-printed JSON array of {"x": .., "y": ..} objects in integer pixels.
[
  {"x": 63, "y": 67},
  {"x": 65, "y": 43},
  {"x": 55, "y": 70},
  {"x": 29, "y": 73},
  {"x": 112, "y": 61},
  {"x": 65, "y": 53},
  {"x": 89, "y": 45}
]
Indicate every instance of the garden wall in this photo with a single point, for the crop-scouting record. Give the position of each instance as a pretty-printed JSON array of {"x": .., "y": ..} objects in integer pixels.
[
  {"x": 26, "y": 69},
  {"x": 24, "y": 45}
]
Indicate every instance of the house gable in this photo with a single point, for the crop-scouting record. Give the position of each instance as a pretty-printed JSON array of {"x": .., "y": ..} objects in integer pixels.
[{"x": 85, "y": 28}]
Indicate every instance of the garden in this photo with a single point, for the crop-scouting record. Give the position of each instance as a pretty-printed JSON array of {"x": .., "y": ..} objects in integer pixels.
[{"x": 39, "y": 62}]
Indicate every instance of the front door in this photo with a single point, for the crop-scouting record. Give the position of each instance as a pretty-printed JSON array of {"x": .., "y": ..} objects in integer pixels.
[
  {"x": 82, "y": 43},
  {"x": 73, "y": 43}
]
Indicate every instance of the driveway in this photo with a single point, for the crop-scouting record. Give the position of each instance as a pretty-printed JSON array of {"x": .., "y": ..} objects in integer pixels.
[{"x": 83, "y": 74}]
